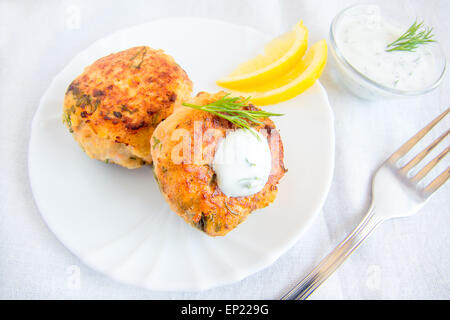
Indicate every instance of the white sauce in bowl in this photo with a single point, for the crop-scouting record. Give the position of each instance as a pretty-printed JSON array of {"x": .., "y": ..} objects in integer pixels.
[
  {"x": 242, "y": 163},
  {"x": 362, "y": 40}
]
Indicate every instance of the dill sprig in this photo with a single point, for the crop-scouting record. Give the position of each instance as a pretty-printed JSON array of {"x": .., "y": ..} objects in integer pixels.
[
  {"x": 232, "y": 109},
  {"x": 417, "y": 34}
]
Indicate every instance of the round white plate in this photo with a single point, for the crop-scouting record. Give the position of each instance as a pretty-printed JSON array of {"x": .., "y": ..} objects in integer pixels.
[{"x": 116, "y": 220}]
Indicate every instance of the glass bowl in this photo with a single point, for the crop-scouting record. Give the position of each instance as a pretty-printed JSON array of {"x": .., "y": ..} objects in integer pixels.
[{"x": 359, "y": 83}]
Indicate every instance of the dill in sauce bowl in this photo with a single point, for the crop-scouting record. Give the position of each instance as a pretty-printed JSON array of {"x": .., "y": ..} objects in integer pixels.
[{"x": 364, "y": 41}]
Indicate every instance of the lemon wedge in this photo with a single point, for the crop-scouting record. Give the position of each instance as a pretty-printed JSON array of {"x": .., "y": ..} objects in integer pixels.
[
  {"x": 301, "y": 77},
  {"x": 280, "y": 55}
]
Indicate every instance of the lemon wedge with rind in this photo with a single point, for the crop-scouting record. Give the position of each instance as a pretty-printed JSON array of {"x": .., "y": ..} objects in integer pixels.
[
  {"x": 291, "y": 84},
  {"x": 280, "y": 55}
]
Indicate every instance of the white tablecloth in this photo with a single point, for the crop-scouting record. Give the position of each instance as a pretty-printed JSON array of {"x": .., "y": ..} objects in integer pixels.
[{"x": 404, "y": 258}]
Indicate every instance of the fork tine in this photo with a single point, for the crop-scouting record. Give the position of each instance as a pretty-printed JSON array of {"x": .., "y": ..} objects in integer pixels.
[
  {"x": 424, "y": 153},
  {"x": 411, "y": 142},
  {"x": 430, "y": 165},
  {"x": 438, "y": 182}
]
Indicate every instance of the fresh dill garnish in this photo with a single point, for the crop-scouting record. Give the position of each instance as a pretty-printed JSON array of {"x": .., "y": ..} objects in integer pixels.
[
  {"x": 156, "y": 142},
  {"x": 68, "y": 121},
  {"x": 138, "y": 53},
  {"x": 82, "y": 100},
  {"x": 125, "y": 108},
  {"x": 143, "y": 51},
  {"x": 94, "y": 106},
  {"x": 230, "y": 210},
  {"x": 248, "y": 182},
  {"x": 417, "y": 34},
  {"x": 232, "y": 109}
]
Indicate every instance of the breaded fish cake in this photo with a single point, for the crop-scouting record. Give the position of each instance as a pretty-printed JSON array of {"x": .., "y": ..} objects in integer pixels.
[
  {"x": 188, "y": 182},
  {"x": 113, "y": 107}
]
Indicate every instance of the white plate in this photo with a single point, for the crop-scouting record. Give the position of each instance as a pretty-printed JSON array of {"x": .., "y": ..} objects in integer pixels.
[{"x": 116, "y": 220}]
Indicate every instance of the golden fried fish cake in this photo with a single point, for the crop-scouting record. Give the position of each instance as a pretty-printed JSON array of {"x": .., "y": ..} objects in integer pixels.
[
  {"x": 188, "y": 182},
  {"x": 113, "y": 107}
]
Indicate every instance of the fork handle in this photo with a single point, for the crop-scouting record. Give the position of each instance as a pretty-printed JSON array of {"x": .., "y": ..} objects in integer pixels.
[{"x": 335, "y": 258}]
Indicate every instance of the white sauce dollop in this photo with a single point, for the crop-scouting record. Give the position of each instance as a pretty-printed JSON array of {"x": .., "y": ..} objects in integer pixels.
[
  {"x": 242, "y": 163},
  {"x": 362, "y": 39}
]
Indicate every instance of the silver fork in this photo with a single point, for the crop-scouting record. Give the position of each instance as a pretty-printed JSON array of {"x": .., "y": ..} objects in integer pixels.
[{"x": 394, "y": 194}]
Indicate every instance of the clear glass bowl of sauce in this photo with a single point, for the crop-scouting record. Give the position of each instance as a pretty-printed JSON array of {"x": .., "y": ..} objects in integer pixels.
[{"x": 358, "y": 39}]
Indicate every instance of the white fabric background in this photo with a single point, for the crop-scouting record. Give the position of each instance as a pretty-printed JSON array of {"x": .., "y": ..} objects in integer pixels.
[{"x": 404, "y": 259}]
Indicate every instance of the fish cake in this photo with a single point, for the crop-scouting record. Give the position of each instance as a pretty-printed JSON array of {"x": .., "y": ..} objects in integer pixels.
[
  {"x": 188, "y": 182},
  {"x": 113, "y": 107}
]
